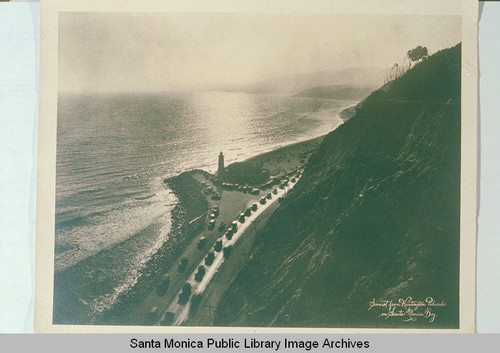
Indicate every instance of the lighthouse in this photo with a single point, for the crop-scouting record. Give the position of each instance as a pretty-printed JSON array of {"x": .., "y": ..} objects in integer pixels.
[{"x": 220, "y": 170}]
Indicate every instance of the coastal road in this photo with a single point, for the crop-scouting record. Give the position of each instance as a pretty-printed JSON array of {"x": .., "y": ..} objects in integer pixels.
[{"x": 181, "y": 312}]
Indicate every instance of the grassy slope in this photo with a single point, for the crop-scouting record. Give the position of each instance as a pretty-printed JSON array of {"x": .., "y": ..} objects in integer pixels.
[{"x": 376, "y": 215}]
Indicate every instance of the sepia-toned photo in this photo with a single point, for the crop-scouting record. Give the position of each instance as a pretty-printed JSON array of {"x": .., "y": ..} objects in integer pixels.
[{"x": 258, "y": 170}]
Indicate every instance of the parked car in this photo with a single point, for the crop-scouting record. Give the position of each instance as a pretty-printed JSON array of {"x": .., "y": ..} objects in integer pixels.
[
  {"x": 182, "y": 266},
  {"x": 218, "y": 245},
  {"x": 209, "y": 260},
  {"x": 198, "y": 277},
  {"x": 185, "y": 294},
  {"x": 211, "y": 224},
  {"x": 241, "y": 217},
  {"x": 201, "y": 243}
]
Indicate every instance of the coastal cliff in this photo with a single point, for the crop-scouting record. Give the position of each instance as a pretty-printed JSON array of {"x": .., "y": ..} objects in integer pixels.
[{"x": 374, "y": 217}]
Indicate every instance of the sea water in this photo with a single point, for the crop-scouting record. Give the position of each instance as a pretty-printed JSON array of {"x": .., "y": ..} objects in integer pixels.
[{"x": 113, "y": 152}]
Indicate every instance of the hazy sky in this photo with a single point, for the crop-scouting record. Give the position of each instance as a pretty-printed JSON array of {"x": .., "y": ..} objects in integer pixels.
[{"x": 114, "y": 52}]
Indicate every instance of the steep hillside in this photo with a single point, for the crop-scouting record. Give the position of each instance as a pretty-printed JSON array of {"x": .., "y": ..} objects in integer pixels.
[{"x": 375, "y": 216}]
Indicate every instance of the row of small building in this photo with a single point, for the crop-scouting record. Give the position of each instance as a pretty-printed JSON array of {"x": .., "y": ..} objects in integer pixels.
[
  {"x": 278, "y": 180},
  {"x": 243, "y": 188}
]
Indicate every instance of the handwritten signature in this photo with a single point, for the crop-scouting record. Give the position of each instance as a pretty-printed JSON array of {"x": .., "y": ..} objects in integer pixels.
[{"x": 408, "y": 309}]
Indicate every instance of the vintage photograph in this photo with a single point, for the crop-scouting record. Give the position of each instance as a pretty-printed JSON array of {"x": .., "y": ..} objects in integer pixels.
[{"x": 288, "y": 170}]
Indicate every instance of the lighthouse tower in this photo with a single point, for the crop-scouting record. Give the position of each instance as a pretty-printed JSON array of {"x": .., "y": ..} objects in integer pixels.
[{"x": 220, "y": 170}]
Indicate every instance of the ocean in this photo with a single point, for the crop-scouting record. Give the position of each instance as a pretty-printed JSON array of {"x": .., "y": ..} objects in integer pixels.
[{"x": 113, "y": 153}]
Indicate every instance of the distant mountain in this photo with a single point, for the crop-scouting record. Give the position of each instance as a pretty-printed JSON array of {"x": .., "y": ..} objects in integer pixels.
[
  {"x": 336, "y": 92},
  {"x": 291, "y": 84},
  {"x": 376, "y": 215}
]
